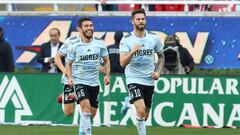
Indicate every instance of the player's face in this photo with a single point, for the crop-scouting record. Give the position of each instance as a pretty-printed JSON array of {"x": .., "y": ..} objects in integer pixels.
[
  {"x": 54, "y": 36},
  {"x": 87, "y": 29},
  {"x": 139, "y": 22}
]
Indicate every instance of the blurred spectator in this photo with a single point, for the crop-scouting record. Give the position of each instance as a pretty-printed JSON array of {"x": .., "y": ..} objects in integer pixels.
[
  {"x": 222, "y": 8},
  {"x": 114, "y": 54},
  {"x": 14, "y": 7},
  {"x": 143, "y": 6},
  {"x": 166, "y": 7},
  {"x": 6, "y": 56},
  {"x": 156, "y": 7},
  {"x": 137, "y": 6},
  {"x": 86, "y": 7},
  {"x": 108, "y": 7},
  {"x": 170, "y": 7},
  {"x": 48, "y": 52},
  {"x": 237, "y": 7},
  {"x": 200, "y": 7},
  {"x": 125, "y": 7},
  {"x": 177, "y": 58}
]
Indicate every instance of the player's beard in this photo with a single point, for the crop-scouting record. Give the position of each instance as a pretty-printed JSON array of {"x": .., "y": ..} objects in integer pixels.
[
  {"x": 88, "y": 33},
  {"x": 140, "y": 27}
]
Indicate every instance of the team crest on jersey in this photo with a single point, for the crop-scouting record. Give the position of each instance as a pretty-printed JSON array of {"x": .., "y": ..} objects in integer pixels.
[{"x": 89, "y": 50}]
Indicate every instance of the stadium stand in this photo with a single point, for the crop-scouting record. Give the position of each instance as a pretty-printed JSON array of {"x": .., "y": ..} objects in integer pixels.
[{"x": 123, "y": 5}]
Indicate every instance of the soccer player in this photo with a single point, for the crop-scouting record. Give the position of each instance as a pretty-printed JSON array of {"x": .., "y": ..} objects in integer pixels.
[
  {"x": 137, "y": 55},
  {"x": 68, "y": 103},
  {"x": 85, "y": 53},
  {"x": 68, "y": 99}
]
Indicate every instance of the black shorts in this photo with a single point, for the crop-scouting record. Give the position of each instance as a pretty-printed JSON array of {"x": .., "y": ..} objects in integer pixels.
[
  {"x": 67, "y": 90},
  {"x": 138, "y": 91},
  {"x": 87, "y": 92}
]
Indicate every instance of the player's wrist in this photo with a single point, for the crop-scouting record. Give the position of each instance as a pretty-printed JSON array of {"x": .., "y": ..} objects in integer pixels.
[
  {"x": 158, "y": 71},
  {"x": 65, "y": 74},
  {"x": 69, "y": 76},
  {"x": 107, "y": 75}
]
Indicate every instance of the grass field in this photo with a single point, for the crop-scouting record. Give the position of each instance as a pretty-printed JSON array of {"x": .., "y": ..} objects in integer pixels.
[{"x": 51, "y": 130}]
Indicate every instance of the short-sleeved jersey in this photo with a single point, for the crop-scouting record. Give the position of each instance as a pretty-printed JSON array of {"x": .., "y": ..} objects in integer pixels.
[
  {"x": 63, "y": 51},
  {"x": 141, "y": 66},
  {"x": 86, "y": 58}
]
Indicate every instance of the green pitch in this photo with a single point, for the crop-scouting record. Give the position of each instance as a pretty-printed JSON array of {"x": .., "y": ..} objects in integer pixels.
[{"x": 50, "y": 130}]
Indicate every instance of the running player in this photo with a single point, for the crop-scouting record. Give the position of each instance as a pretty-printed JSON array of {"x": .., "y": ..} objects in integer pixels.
[
  {"x": 137, "y": 51},
  {"x": 85, "y": 53},
  {"x": 67, "y": 98}
]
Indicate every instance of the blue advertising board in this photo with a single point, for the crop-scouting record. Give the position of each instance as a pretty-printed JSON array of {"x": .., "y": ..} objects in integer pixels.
[{"x": 213, "y": 41}]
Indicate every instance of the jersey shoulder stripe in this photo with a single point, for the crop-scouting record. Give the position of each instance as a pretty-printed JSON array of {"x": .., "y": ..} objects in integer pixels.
[
  {"x": 73, "y": 38},
  {"x": 149, "y": 32},
  {"x": 128, "y": 35},
  {"x": 97, "y": 38},
  {"x": 75, "y": 41}
]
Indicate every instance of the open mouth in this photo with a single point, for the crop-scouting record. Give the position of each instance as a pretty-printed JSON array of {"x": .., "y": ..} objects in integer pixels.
[{"x": 89, "y": 32}]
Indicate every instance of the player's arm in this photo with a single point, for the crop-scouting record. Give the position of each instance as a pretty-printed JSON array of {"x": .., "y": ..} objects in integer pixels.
[
  {"x": 159, "y": 66},
  {"x": 62, "y": 52},
  {"x": 71, "y": 54},
  {"x": 106, "y": 61},
  {"x": 69, "y": 69},
  {"x": 107, "y": 70},
  {"x": 125, "y": 58},
  {"x": 161, "y": 60},
  {"x": 58, "y": 62},
  {"x": 69, "y": 72}
]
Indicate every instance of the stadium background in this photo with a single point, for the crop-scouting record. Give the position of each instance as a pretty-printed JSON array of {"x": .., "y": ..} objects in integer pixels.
[{"x": 213, "y": 41}]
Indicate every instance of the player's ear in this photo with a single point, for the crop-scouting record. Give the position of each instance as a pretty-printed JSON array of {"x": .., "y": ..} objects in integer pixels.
[{"x": 78, "y": 29}]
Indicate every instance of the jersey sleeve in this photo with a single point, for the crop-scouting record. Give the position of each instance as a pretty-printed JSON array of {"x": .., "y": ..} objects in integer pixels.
[
  {"x": 63, "y": 48},
  {"x": 123, "y": 47},
  {"x": 158, "y": 48},
  {"x": 71, "y": 53},
  {"x": 103, "y": 50}
]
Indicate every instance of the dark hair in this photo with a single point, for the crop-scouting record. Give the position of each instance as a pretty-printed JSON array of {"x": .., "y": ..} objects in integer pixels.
[
  {"x": 138, "y": 11},
  {"x": 59, "y": 33},
  {"x": 80, "y": 21}
]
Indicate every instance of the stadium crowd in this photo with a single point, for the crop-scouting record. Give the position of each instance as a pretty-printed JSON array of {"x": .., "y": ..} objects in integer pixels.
[{"x": 128, "y": 7}]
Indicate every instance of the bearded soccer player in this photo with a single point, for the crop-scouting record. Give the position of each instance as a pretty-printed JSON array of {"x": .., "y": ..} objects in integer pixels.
[
  {"x": 137, "y": 51},
  {"x": 85, "y": 53}
]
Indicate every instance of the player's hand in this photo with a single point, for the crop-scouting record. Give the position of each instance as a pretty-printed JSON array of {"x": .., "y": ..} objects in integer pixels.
[
  {"x": 106, "y": 80},
  {"x": 70, "y": 82},
  {"x": 155, "y": 75},
  {"x": 136, "y": 48},
  {"x": 187, "y": 69}
]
